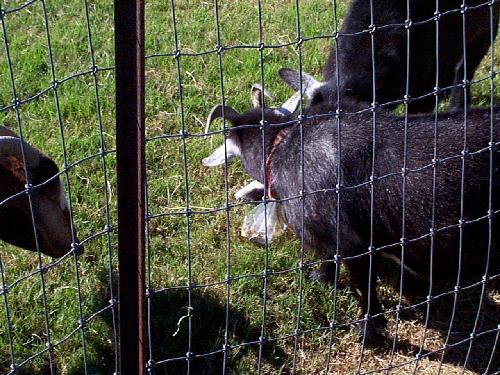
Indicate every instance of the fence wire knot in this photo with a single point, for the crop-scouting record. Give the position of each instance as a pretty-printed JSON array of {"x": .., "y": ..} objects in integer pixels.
[{"x": 16, "y": 103}]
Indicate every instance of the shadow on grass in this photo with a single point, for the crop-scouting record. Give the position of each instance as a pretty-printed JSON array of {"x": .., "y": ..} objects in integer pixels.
[
  {"x": 171, "y": 338},
  {"x": 455, "y": 322},
  {"x": 170, "y": 326},
  {"x": 469, "y": 307},
  {"x": 170, "y": 334}
]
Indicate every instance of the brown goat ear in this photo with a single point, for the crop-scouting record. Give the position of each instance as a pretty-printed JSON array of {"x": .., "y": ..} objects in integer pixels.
[
  {"x": 257, "y": 93},
  {"x": 46, "y": 170},
  {"x": 53, "y": 190},
  {"x": 221, "y": 111}
]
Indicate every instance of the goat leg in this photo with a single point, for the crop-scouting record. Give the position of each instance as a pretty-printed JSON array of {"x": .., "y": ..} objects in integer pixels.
[{"x": 364, "y": 284}]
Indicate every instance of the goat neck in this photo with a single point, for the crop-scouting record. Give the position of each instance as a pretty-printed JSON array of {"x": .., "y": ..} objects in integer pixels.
[{"x": 269, "y": 179}]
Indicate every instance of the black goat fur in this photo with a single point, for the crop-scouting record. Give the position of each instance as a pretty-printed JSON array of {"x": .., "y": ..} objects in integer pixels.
[
  {"x": 350, "y": 211},
  {"x": 353, "y": 54}
]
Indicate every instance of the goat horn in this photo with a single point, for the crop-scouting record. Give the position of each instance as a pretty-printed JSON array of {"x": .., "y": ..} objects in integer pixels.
[
  {"x": 291, "y": 78},
  {"x": 221, "y": 111},
  {"x": 12, "y": 146},
  {"x": 288, "y": 107},
  {"x": 255, "y": 95}
]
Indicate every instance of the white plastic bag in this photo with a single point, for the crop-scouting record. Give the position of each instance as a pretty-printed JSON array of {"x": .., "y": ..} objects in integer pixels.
[{"x": 254, "y": 225}]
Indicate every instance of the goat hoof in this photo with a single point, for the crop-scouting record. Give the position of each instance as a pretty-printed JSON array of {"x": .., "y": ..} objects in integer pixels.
[
  {"x": 374, "y": 334},
  {"x": 372, "y": 337}
]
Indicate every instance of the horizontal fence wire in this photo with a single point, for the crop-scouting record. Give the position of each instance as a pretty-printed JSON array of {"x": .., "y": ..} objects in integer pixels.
[
  {"x": 216, "y": 302},
  {"x": 222, "y": 357},
  {"x": 54, "y": 347}
]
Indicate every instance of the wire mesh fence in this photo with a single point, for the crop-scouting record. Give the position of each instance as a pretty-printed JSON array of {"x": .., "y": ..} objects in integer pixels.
[
  {"x": 54, "y": 310},
  {"x": 215, "y": 301}
]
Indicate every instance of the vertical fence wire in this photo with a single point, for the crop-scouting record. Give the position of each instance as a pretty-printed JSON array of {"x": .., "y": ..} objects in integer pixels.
[
  {"x": 366, "y": 319},
  {"x": 150, "y": 365},
  {"x": 103, "y": 151},
  {"x": 462, "y": 187},
  {"x": 408, "y": 25},
  {"x": 2, "y": 271},
  {"x": 428, "y": 302},
  {"x": 142, "y": 295},
  {"x": 150, "y": 292},
  {"x": 336, "y": 261},
  {"x": 491, "y": 75},
  {"x": 490, "y": 188},
  {"x": 40, "y": 267},
  {"x": 74, "y": 245},
  {"x": 227, "y": 206},
  {"x": 297, "y": 333},
  {"x": 267, "y": 198},
  {"x": 183, "y": 134},
  {"x": 8, "y": 319},
  {"x": 493, "y": 352}
]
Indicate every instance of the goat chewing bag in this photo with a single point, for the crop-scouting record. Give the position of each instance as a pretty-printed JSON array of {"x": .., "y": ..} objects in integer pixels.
[{"x": 254, "y": 223}]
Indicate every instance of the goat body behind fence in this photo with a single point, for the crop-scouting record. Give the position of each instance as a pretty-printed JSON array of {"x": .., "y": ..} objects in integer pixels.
[
  {"x": 445, "y": 215},
  {"x": 398, "y": 45}
]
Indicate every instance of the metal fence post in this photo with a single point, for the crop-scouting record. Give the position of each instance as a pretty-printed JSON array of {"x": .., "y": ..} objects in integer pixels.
[{"x": 129, "y": 56}]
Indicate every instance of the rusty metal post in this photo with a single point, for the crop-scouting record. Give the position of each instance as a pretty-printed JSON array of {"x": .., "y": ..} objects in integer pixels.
[{"x": 129, "y": 57}]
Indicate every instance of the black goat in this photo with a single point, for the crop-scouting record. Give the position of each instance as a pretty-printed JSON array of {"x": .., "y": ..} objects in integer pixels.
[
  {"x": 453, "y": 216},
  {"x": 255, "y": 190},
  {"x": 353, "y": 54}
]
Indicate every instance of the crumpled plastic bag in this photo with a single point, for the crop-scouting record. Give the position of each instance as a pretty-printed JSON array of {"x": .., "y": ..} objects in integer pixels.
[{"x": 254, "y": 225}]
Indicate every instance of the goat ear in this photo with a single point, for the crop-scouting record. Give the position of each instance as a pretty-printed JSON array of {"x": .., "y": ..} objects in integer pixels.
[
  {"x": 257, "y": 93},
  {"x": 222, "y": 153},
  {"x": 221, "y": 111},
  {"x": 292, "y": 79}
]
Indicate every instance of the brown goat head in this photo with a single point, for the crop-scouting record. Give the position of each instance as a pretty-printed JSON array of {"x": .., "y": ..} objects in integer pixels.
[{"x": 50, "y": 209}]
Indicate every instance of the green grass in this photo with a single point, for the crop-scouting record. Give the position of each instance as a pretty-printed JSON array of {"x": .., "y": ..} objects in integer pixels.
[{"x": 78, "y": 115}]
